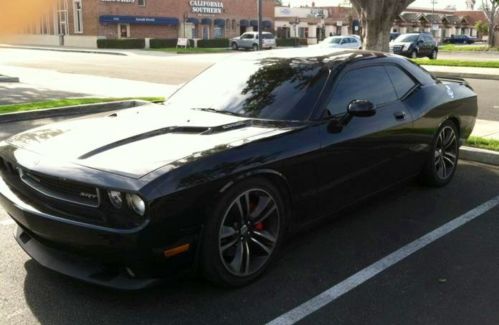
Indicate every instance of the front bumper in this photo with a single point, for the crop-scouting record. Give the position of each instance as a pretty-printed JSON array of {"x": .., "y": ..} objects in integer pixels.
[{"x": 120, "y": 259}]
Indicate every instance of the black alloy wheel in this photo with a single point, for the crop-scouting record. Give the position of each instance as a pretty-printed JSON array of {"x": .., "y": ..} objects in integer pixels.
[
  {"x": 442, "y": 163},
  {"x": 244, "y": 233}
]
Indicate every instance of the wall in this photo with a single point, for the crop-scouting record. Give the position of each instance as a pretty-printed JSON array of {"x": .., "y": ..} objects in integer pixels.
[
  {"x": 80, "y": 41},
  {"x": 42, "y": 40}
]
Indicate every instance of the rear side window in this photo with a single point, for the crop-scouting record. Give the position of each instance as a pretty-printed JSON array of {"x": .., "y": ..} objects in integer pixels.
[
  {"x": 401, "y": 81},
  {"x": 267, "y": 36},
  {"x": 370, "y": 83}
]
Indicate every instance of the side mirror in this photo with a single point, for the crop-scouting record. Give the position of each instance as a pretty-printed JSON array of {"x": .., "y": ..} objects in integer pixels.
[{"x": 361, "y": 108}]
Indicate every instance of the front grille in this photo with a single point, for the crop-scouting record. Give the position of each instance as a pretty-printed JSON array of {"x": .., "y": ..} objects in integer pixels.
[{"x": 63, "y": 190}]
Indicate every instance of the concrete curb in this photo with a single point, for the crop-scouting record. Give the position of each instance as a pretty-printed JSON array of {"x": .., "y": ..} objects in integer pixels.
[
  {"x": 64, "y": 50},
  {"x": 8, "y": 79},
  {"x": 479, "y": 155},
  {"x": 70, "y": 111},
  {"x": 464, "y": 75}
]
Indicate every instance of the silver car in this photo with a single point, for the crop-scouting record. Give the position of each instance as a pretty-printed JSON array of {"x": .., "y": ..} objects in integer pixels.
[
  {"x": 249, "y": 40},
  {"x": 343, "y": 42}
]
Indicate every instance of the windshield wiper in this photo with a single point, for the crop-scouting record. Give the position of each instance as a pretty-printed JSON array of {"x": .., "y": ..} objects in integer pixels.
[{"x": 212, "y": 110}]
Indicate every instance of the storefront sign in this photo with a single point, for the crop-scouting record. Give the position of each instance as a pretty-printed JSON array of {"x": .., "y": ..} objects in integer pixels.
[
  {"x": 206, "y": 7},
  {"x": 138, "y": 20},
  {"x": 121, "y": 1}
]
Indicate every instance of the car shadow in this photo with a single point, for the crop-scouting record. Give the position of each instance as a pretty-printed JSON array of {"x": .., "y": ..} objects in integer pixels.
[{"x": 311, "y": 261}]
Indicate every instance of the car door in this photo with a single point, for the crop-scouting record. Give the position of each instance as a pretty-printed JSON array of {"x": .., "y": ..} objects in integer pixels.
[
  {"x": 362, "y": 155},
  {"x": 247, "y": 40}
]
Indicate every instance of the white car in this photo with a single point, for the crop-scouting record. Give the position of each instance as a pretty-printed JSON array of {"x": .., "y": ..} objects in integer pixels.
[
  {"x": 343, "y": 42},
  {"x": 249, "y": 40}
]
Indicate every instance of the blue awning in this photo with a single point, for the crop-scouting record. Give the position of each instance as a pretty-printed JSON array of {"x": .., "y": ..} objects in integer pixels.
[
  {"x": 267, "y": 24},
  {"x": 254, "y": 23},
  {"x": 206, "y": 21},
  {"x": 194, "y": 21},
  {"x": 139, "y": 20},
  {"x": 244, "y": 23},
  {"x": 219, "y": 22}
]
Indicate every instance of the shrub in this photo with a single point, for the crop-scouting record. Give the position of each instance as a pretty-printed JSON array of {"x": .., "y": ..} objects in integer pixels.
[
  {"x": 213, "y": 43},
  {"x": 132, "y": 43},
  {"x": 291, "y": 41},
  {"x": 162, "y": 43}
]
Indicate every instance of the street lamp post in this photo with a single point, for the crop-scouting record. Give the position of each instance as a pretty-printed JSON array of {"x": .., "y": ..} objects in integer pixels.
[
  {"x": 295, "y": 23},
  {"x": 260, "y": 17}
]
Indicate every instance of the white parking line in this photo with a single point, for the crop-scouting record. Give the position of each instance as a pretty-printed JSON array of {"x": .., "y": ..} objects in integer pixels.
[
  {"x": 7, "y": 222},
  {"x": 369, "y": 272}
]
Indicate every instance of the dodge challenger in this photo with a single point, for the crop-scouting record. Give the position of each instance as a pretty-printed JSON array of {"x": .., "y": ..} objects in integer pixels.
[{"x": 250, "y": 150}]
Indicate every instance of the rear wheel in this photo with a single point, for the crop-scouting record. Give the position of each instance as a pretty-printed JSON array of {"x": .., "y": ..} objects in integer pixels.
[
  {"x": 243, "y": 233},
  {"x": 255, "y": 47},
  {"x": 442, "y": 163}
]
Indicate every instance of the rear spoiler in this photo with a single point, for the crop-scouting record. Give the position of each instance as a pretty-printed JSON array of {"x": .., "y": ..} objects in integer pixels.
[{"x": 460, "y": 81}]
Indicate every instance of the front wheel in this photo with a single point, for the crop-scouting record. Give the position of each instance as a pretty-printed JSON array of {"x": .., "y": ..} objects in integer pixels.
[
  {"x": 414, "y": 54},
  {"x": 234, "y": 46},
  {"x": 433, "y": 55},
  {"x": 243, "y": 233},
  {"x": 442, "y": 162}
]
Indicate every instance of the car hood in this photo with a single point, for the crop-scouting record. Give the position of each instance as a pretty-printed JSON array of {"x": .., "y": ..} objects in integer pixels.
[{"x": 135, "y": 142}]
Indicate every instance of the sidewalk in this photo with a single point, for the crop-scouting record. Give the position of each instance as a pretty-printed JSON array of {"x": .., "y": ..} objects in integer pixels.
[
  {"x": 464, "y": 72},
  {"x": 486, "y": 129}
]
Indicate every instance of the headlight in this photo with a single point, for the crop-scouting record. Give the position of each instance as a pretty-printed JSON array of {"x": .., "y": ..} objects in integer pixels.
[
  {"x": 405, "y": 47},
  {"x": 136, "y": 203},
  {"x": 116, "y": 199}
]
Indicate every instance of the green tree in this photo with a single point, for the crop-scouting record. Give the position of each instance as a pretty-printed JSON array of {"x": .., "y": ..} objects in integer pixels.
[
  {"x": 377, "y": 19},
  {"x": 491, "y": 9},
  {"x": 482, "y": 28}
]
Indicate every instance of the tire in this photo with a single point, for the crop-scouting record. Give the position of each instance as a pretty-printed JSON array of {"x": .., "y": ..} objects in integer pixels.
[
  {"x": 255, "y": 47},
  {"x": 234, "y": 46},
  {"x": 442, "y": 160},
  {"x": 433, "y": 55},
  {"x": 414, "y": 54},
  {"x": 227, "y": 240}
]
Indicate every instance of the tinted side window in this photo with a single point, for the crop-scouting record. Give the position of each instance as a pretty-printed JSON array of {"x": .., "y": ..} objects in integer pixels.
[
  {"x": 401, "y": 81},
  {"x": 371, "y": 83}
]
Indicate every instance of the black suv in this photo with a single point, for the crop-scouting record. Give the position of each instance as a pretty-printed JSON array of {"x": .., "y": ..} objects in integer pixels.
[{"x": 415, "y": 45}]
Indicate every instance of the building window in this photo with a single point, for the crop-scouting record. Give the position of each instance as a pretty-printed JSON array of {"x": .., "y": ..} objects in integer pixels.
[
  {"x": 141, "y": 3},
  {"x": 123, "y": 30},
  {"x": 61, "y": 17},
  {"x": 233, "y": 24},
  {"x": 219, "y": 32},
  {"x": 303, "y": 32},
  {"x": 78, "y": 16}
]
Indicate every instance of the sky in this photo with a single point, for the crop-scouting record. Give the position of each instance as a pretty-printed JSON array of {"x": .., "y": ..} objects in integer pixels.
[{"x": 440, "y": 4}]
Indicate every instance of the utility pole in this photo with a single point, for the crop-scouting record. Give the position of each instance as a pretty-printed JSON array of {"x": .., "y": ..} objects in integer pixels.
[
  {"x": 433, "y": 2},
  {"x": 260, "y": 23}
]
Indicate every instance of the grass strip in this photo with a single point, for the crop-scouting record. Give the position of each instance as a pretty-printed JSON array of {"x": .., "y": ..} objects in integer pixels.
[
  {"x": 458, "y": 63},
  {"x": 66, "y": 102},
  {"x": 467, "y": 48},
  {"x": 483, "y": 143}
]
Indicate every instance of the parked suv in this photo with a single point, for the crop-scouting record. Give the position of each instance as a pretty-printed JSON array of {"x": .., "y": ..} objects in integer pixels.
[
  {"x": 415, "y": 45},
  {"x": 249, "y": 40}
]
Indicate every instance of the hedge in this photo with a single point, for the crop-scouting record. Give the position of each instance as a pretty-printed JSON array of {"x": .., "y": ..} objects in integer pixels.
[
  {"x": 161, "y": 43},
  {"x": 213, "y": 43},
  {"x": 137, "y": 43},
  {"x": 291, "y": 41}
]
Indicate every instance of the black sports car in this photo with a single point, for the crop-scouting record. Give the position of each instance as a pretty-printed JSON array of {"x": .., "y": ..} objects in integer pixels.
[{"x": 252, "y": 148}]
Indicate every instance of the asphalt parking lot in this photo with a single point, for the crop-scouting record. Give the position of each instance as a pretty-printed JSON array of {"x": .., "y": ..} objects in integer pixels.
[{"x": 453, "y": 280}]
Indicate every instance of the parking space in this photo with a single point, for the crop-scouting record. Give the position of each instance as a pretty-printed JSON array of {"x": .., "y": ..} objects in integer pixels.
[{"x": 452, "y": 280}]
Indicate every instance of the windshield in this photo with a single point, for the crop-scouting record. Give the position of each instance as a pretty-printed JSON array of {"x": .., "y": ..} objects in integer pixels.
[
  {"x": 407, "y": 38},
  {"x": 332, "y": 40},
  {"x": 272, "y": 88}
]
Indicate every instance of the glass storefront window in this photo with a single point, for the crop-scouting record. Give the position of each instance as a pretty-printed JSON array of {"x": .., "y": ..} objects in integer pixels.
[{"x": 219, "y": 32}]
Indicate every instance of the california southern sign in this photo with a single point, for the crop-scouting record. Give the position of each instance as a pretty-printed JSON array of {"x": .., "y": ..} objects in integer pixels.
[{"x": 206, "y": 7}]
